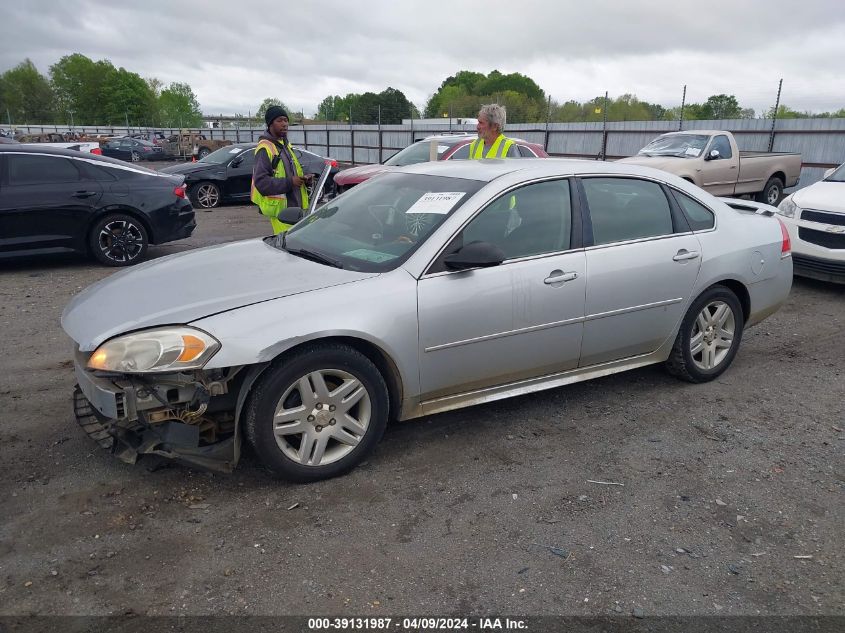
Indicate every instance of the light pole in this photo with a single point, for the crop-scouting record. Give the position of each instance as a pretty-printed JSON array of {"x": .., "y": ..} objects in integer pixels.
[{"x": 71, "y": 118}]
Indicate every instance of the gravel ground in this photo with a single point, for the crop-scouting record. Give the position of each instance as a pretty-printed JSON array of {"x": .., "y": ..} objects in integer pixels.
[{"x": 730, "y": 498}]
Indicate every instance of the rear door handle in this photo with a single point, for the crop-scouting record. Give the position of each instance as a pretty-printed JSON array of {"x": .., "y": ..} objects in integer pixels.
[
  {"x": 558, "y": 277},
  {"x": 684, "y": 254},
  {"x": 84, "y": 194}
]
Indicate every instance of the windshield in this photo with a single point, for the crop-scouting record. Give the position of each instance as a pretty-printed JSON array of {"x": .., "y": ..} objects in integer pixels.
[
  {"x": 838, "y": 175},
  {"x": 376, "y": 225},
  {"x": 682, "y": 145},
  {"x": 222, "y": 155},
  {"x": 419, "y": 152}
]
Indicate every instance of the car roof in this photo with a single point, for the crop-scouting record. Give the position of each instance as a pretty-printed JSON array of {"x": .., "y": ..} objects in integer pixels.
[
  {"x": 72, "y": 153},
  {"x": 488, "y": 170}
]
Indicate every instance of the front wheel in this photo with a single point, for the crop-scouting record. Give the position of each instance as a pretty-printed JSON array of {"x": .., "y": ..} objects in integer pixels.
[
  {"x": 709, "y": 336},
  {"x": 118, "y": 239},
  {"x": 207, "y": 195},
  {"x": 318, "y": 413},
  {"x": 135, "y": 157},
  {"x": 771, "y": 192},
  {"x": 204, "y": 151}
]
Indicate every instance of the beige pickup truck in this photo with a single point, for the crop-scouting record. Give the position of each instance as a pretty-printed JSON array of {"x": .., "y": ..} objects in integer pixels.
[{"x": 712, "y": 160}]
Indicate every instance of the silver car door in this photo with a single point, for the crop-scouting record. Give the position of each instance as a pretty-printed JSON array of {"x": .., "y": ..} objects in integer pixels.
[
  {"x": 640, "y": 272},
  {"x": 493, "y": 326}
]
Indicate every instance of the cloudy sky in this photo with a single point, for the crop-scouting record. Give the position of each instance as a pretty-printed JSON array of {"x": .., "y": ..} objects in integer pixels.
[{"x": 235, "y": 53}]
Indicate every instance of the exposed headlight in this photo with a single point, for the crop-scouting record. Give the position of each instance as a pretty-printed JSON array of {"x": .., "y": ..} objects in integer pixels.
[
  {"x": 163, "y": 349},
  {"x": 787, "y": 208}
]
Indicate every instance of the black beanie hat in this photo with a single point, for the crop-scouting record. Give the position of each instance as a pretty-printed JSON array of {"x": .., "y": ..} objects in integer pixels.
[{"x": 273, "y": 113}]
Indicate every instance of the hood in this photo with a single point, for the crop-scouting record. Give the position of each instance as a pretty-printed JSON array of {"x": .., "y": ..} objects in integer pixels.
[
  {"x": 188, "y": 286},
  {"x": 822, "y": 196},
  {"x": 355, "y": 175},
  {"x": 190, "y": 168},
  {"x": 666, "y": 163}
]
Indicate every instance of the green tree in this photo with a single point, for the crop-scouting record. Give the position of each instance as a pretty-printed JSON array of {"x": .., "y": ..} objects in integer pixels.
[
  {"x": 463, "y": 93},
  {"x": 271, "y": 101},
  {"x": 128, "y": 99},
  {"x": 178, "y": 106},
  {"x": 78, "y": 83},
  {"x": 721, "y": 107},
  {"x": 26, "y": 95}
]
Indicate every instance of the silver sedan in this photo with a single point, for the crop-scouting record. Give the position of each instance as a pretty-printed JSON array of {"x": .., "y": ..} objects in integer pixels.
[{"x": 436, "y": 287}]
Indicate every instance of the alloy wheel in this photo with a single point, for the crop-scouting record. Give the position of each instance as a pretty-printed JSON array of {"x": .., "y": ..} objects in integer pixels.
[
  {"x": 712, "y": 335},
  {"x": 121, "y": 241},
  {"x": 322, "y": 417},
  {"x": 208, "y": 196}
]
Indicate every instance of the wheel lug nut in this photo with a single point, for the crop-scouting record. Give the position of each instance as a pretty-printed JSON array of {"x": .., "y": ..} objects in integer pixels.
[
  {"x": 310, "y": 418},
  {"x": 319, "y": 405},
  {"x": 331, "y": 421},
  {"x": 319, "y": 428},
  {"x": 332, "y": 407}
]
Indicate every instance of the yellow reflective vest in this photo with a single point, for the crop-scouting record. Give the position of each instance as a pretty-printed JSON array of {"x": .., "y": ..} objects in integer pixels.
[
  {"x": 272, "y": 205},
  {"x": 499, "y": 149}
]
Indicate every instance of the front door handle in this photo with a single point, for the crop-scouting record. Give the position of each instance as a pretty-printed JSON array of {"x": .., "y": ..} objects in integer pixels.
[
  {"x": 84, "y": 194},
  {"x": 684, "y": 254},
  {"x": 558, "y": 277}
]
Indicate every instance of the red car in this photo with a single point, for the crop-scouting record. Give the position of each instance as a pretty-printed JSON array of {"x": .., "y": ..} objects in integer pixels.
[{"x": 449, "y": 146}]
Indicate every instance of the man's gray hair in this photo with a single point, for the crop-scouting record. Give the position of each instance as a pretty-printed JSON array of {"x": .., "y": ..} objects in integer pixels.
[{"x": 495, "y": 114}]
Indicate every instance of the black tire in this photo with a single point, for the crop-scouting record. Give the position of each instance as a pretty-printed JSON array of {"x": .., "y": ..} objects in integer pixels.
[
  {"x": 206, "y": 195},
  {"x": 118, "y": 239},
  {"x": 712, "y": 357},
  {"x": 771, "y": 192},
  {"x": 135, "y": 156},
  {"x": 342, "y": 369},
  {"x": 204, "y": 151}
]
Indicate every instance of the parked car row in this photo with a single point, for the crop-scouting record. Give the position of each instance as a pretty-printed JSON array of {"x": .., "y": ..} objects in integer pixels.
[{"x": 226, "y": 175}]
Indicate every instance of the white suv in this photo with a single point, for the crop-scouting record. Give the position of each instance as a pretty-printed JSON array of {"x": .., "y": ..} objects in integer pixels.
[{"x": 815, "y": 218}]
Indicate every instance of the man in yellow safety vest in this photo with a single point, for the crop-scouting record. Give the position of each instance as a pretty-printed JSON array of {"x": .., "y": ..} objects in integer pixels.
[
  {"x": 277, "y": 178},
  {"x": 491, "y": 143}
]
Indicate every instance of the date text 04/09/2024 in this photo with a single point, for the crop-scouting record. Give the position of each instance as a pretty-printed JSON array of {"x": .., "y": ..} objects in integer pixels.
[{"x": 415, "y": 624}]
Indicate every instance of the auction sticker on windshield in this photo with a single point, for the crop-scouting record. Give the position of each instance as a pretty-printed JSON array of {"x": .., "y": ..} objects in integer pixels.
[
  {"x": 436, "y": 202},
  {"x": 692, "y": 151}
]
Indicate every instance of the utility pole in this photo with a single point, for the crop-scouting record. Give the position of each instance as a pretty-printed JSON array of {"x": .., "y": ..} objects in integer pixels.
[
  {"x": 775, "y": 116},
  {"x": 71, "y": 118},
  {"x": 604, "y": 129},
  {"x": 548, "y": 120},
  {"x": 9, "y": 117},
  {"x": 683, "y": 103}
]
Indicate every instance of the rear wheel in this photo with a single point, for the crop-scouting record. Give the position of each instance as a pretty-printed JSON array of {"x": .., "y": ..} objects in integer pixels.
[
  {"x": 318, "y": 414},
  {"x": 771, "y": 192},
  {"x": 118, "y": 239},
  {"x": 206, "y": 195},
  {"x": 135, "y": 156},
  {"x": 204, "y": 151},
  {"x": 709, "y": 336}
]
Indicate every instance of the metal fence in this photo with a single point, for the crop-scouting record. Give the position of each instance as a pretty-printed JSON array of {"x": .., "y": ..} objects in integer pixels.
[{"x": 821, "y": 142}]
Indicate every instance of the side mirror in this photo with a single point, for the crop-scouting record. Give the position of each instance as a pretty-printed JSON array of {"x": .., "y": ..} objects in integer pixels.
[
  {"x": 291, "y": 215},
  {"x": 475, "y": 255},
  {"x": 713, "y": 155}
]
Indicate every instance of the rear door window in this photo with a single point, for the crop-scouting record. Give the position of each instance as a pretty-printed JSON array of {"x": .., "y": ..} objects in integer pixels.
[
  {"x": 623, "y": 209},
  {"x": 35, "y": 170}
]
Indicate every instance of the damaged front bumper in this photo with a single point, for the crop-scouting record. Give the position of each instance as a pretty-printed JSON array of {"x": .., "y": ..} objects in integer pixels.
[{"x": 188, "y": 417}]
